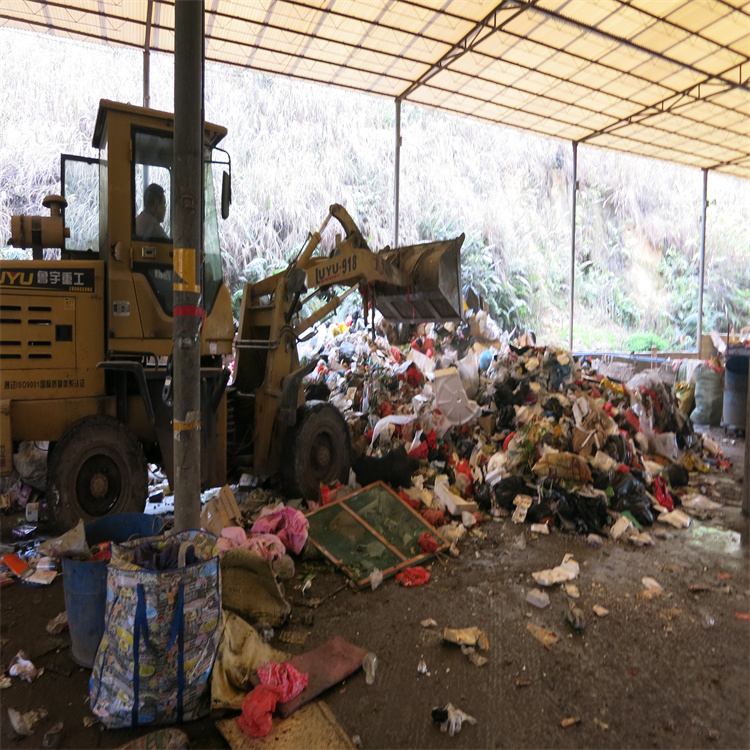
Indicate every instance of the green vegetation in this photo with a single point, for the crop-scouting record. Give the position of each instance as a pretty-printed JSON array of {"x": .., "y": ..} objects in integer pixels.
[{"x": 296, "y": 148}]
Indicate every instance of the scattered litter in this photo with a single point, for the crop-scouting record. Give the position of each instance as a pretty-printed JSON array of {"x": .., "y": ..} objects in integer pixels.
[
  {"x": 540, "y": 528},
  {"x": 604, "y": 727},
  {"x": 370, "y": 665},
  {"x": 574, "y": 616},
  {"x": 651, "y": 586},
  {"x": 467, "y": 637},
  {"x": 414, "y": 576},
  {"x": 566, "y": 571},
  {"x": 20, "y": 666},
  {"x": 471, "y": 654},
  {"x": 89, "y": 721},
  {"x": 71, "y": 544},
  {"x": 594, "y": 540},
  {"x": 429, "y": 623},
  {"x": 572, "y": 590},
  {"x": 676, "y": 518},
  {"x": 546, "y": 637},
  {"x": 23, "y": 723},
  {"x": 700, "y": 504},
  {"x": 522, "y": 503},
  {"x": 538, "y": 598},
  {"x": 620, "y": 527},
  {"x": 295, "y": 636},
  {"x": 422, "y": 667},
  {"x": 570, "y": 721},
  {"x": 600, "y": 611},
  {"x": 54, "y": 736},
  {"x": 451, "y": 719},
  {"x": 5, "y": 682},
  {"x": 376, "y": 578}
]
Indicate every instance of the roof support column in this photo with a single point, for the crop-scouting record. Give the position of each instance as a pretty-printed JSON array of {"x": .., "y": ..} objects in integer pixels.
[
  {"x": 397, "y": 170},
  {"x": 573, "y": 243},
  {"x": 702, "y": 272},
  {"x": 188, "y": 251},
  {"x": 147, "y": 56},
  {"x": 746, "y": 481}
]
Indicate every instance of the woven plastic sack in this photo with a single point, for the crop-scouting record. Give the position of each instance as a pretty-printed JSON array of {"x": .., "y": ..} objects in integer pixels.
[
  {"x": 161, "y": 636},
  {"x": 709, "y": 396}
]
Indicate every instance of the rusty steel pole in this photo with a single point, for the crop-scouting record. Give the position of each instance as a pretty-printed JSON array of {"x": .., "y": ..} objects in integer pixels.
[{"x": 188, "y": 250}]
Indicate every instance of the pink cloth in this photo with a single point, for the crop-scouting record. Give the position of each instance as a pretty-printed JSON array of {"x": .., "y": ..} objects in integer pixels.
[
  {"x": 268, "y": 546},
  {"x": 288, "y": 524},
  {"x": 289, "y": 682}
]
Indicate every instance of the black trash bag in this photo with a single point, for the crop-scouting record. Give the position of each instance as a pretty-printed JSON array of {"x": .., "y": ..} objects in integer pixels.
[
  {"x": 394, "y": 468},
  {"x": 677, "y": 475},
  {"x": 483, "y": 497},
  {"x": 539, "y": 510},
  {"x": 587, "y": 514},
  {"x": 630, "y": 494},
  {"x": 616, "y": 446},
  {"x": 507, "y": 489}
]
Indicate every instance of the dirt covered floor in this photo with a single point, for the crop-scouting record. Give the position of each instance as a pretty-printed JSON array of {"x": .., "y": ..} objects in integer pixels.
[{"x": 670, "y": 671}]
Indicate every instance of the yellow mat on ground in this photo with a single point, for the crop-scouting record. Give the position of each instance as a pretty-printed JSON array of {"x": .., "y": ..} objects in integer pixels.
[{"x": 313, "y": 725}]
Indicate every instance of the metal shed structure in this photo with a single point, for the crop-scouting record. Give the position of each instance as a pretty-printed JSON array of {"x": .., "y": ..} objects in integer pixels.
[{"x": 666, "y": 79}]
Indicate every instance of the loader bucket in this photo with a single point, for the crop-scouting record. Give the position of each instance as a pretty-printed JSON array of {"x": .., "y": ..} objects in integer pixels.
[{"x": 435, "y": 292}]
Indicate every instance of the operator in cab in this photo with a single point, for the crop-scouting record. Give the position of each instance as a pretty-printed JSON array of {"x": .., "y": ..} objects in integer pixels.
[{"x": 148, "y": 222}]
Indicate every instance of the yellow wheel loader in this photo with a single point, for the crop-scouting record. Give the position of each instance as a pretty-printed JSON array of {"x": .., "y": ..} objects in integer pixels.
[{"x": 86, "y": 334}]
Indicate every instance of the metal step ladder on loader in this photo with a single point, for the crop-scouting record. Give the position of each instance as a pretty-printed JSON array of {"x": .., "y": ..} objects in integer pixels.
[{"x": 86, "y": 334}]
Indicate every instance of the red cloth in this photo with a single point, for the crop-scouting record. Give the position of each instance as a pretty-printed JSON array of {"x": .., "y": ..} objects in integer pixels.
[
  {"x": 416, "y": 504},
  {"x": 427, "y": 543},
  {"x": 416, "y": 576},
  {"x": 421, "y": 451},
  {"x": 433, "y": 517}
]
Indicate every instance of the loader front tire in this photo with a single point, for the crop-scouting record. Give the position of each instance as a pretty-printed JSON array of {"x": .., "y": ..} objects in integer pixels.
[
  {"x": 95, "y": 469},
  {"x": 317, "y": 451}
]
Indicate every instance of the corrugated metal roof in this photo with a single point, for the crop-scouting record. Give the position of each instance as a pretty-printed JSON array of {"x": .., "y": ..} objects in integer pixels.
[{"x": 669, "y": 79}]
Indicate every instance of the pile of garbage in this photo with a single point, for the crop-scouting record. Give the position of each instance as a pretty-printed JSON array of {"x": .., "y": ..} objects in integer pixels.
[{"x": 462, "y": 419}]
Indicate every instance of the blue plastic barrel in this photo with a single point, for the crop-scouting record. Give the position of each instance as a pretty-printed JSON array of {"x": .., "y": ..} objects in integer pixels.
[
  {"x": 735, "y": 392},
  {"x": 85, "y": 583}
]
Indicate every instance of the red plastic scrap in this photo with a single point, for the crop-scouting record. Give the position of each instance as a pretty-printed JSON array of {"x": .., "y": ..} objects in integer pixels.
[
  {"x": 257, "y": 711},
  {"x": 416, "y": 504},
  {"x": 421, "y": 451},
  {"x": 414, "y": 377},
  {"x": 431, "y": 440},
  {"x": 633, "y": 420},
  {"x": 396, "y": 354},
  {"x": 427, "y": 543},
  {"x": 507, "y": 440},
  {"x": 416, "y": 576},
  {"x": 433, "y": 517},
  {"x": 662, "y": 493},
  {"x": 385, "y": 409}
]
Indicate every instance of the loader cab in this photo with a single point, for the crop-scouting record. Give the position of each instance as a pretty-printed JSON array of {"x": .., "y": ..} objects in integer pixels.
[{"x": 136, "y": 197}]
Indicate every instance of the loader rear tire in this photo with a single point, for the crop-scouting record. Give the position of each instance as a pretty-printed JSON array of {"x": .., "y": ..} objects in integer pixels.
[
  {"x": 95, "y": 469},
  {"x": 317, "y": 450}
]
